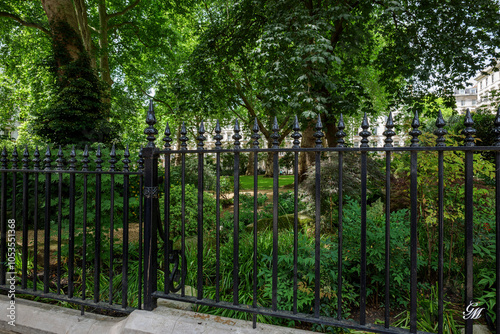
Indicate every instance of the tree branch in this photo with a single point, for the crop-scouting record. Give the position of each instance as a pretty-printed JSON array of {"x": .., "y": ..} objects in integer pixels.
[
  {"x": 25, "y": 23},
  {"x": 156, "y": 99},
  {"x": 124, "y": 11}
]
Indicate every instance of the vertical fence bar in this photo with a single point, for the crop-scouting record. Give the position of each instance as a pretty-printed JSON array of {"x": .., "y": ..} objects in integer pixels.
[
  {"x": 151, "y": 208},
  {"x": 236, "y": 236},
  {"x": 183, "y": 139},
  {"x": 413, "y": 223},
  {"x": 24, "y": 271},
  {"x": 3, "y": 222},
  {"x": 200, "y": 139},
  {"x": 85, "y": 162},
  {"x": 440, "y": 142},
  {"x": 46, "y": 245},
  {"x": 364, "y": 143},
  {"x": 60, "y": 167},
  {"x": 71, "y": 241},
  {"x": 388, "y": 133},
  {"x": 317, "y": 229},
  {"x": 255, "y": 137},
  {"x": 126, "y": 185},
  {"x": 296, "y": 144},
  {"x": 218, "y": 144},
  {"x": 36, "y": 167},
  {"x": 112, "y": 163},
  {"x": 97, "y": 227},
  {"x": 497, "y": 214},
  {"x": 340, "y": 143},
  {"x": 141, "y": 206},
  {"x": 469, "y": 209},
  {"x": 166, "y": 210},
  {"x": 275, "y": 144}
]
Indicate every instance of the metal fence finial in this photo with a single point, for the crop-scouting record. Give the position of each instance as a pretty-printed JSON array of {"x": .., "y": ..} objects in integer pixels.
[
  {"x": 415, "y": 132},
  {"x": 440, "y": 132},
  {"x": 318, "y": 134},
  {"x": 98, "y": 161},
  {"x": 389, "y": 132},
  {"x": 26, "y": 156},
  {"x": 296, "y": 134},
  {"x": 36, "y": 159},
  {"x": 340, "y": 133},
  {"x": 365, "y": 133},
  {"x": 72, "y": 159},
  {"x": 113, "y": 160},
  {"x": 167, "y": 138},
  {"x": 255, "y": 135},
  {"x": 275, "y": 135},
  {"x": 14, "y": 159},
  {"x": 236, "y": 135},
  {"x": 140, "y": 161},
  {"x": 201, "y": 138},
  {"x": 217, "y": 136},
  {"x": 85, "y": 160},
  {"x": 126, "y": 160},
  {"x": 60, "y": 159},
  {"x": 469, "y": 131},
  {"x": 47, "y": 159},
  {"x": 151, "y": 121},
  {"x": 4, "y": 158},
  {"x": 183, "y": 137}
]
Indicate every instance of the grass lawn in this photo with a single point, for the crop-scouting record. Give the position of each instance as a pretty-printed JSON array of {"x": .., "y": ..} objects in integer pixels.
[{"x": 246, "y": 181}]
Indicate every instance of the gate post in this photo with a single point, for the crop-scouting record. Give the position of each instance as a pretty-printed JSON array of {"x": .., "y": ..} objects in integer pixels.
[{"x": 151, "y": 212}]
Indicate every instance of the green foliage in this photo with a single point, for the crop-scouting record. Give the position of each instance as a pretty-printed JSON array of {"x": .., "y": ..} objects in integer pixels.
[
  {"x": 191, "y": 210},
  {"x": 329, "y": 183}
]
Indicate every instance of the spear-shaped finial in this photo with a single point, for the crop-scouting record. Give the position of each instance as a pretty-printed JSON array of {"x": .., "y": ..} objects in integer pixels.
[
  {"x": 389, "y": 132},
  {"x": 365, "y": 133},
  {"x": 415, "y": 132},
  {"x": 236, "y": 135},
  {"x": 217, "y": 136},
  {"x": 151, "y": 121},
  {"x": 440, "y": 132},
  {"x": 469, "y": 131},
  {"x": 340, "y": 133},
  {"x": 167, "y": 138},
  {"x": 255, "y": 135}
]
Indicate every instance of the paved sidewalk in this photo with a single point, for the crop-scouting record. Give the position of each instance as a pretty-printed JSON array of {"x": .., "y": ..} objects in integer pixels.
[{"x": 33, "y": 317}]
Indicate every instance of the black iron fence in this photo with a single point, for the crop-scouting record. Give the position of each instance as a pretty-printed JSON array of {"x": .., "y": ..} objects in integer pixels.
[{"x": 181, "y": 252}]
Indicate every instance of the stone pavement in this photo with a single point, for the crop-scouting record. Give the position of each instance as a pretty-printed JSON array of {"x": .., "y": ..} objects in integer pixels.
[{"x": 33, "y": 317}]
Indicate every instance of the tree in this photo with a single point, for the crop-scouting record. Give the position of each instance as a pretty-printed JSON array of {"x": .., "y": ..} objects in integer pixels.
[
  {"x": 280, "y": 57},
  {"x": 97, "y": 48}
]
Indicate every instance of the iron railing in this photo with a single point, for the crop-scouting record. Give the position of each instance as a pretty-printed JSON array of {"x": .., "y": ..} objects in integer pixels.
[{"x": 162, "y": 270}]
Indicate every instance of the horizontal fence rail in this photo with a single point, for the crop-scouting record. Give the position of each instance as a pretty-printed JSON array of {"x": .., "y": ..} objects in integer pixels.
[
  {"x": 65, "y": 219},
  {"x": 203, "y": 279}
]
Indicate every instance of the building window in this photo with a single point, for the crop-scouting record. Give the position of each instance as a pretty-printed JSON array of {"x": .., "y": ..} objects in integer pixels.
[
  {"x": 486, "y": 82},
  {"x": 462, "y": 102},
  {"x": 356, "y": 144},
  {"x": 480, "y": 85},
  {"x": 474, "y": 102}
]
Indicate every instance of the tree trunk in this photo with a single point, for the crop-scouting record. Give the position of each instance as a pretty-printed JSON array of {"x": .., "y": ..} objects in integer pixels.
[
  {"x": 66, "y": 36},
  {"x": 330, "y": 124},
  {"x": 104, "y": 44},
  {"x": 269, "y": 163},
  {"x": 306, "y": 159}
]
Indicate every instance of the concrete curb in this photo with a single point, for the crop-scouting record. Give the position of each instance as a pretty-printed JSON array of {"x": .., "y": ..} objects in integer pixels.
[{"x": 35, "y": 318}]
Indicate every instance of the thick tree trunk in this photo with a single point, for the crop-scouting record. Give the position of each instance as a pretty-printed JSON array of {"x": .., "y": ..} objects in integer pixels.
[
  {"x": 330, "y": 124},
  {"x": 66, "y": 36},
  {"x": 269, "y": 164},
  {"x": 104, "y": 44}
]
